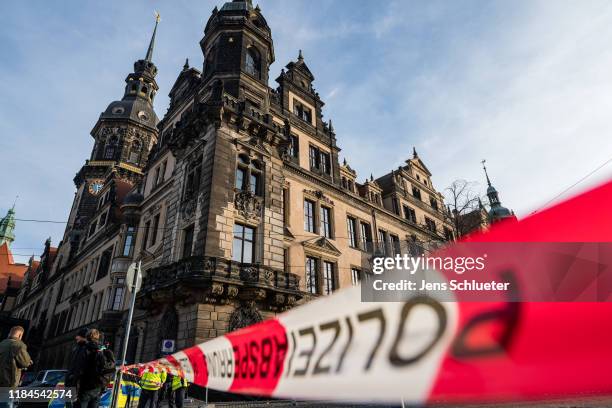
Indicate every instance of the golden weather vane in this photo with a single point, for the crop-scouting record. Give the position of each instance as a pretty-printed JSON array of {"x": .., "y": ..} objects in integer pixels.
[{"x": 157, "y": 16}]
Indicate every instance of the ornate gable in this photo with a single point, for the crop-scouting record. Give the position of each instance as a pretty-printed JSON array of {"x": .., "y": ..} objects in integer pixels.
[{"x": 322, "y": 245}]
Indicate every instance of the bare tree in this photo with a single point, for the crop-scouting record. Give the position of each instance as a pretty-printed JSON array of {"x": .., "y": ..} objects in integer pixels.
[{"x": 465, "y": 208}]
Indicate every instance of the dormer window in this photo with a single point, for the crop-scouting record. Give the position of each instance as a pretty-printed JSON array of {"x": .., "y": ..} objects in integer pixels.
[
  {"x": 253, "y": 62},
  {"x": 416, "y": 193},
  {"x": 320, "y": 161},
  {"x": 302, "y": 112}
]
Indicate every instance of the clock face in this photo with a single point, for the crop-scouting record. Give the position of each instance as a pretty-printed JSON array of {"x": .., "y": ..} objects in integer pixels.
[{"x": 95, "y": 186}]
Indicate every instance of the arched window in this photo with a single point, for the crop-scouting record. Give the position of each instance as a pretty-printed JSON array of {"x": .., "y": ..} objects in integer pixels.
[{"x": 253, "y": 62}]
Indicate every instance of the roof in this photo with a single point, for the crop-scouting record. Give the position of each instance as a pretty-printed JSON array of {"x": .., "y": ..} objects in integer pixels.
[
  {"x": 9, "y": 270},
  {"x": 136, "y": 109}
]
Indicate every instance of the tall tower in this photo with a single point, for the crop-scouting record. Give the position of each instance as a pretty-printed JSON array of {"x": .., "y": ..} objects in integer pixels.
[
  {"x": 238, "y": 49},
  {"x": 123, "y": 136},
  {"x": 497, "y": 212}
]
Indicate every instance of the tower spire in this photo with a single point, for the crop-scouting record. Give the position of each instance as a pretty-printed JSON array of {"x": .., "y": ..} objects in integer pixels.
[
  {"x": 7, "y": 227},
  {"x": 152, "y": 43},
  {"x": 485, "y": 170}
]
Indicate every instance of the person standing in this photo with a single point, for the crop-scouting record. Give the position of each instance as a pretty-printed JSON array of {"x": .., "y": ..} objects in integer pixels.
[
  {"x": 86, "y": 371},
  {"x": 179, "y": 389},
  {"x": 151, "y": 380},
  {"x": 14, "y": 357}
]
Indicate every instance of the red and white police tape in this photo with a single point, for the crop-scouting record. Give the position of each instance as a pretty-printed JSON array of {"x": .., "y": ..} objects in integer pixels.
[{"x": 423, "y": 350}]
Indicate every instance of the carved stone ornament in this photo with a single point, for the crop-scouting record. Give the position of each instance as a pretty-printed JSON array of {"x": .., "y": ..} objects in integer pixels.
[
  {"x": 268, "y": 277},
  {"x": 249, "y": 274},
  {"x": 244, "y": 315},
  {"x": 188, "y": 208},
  {"x": 319, "y": 195},
  {"x": 217, "y": 289},
  {"x": 232, "y": 291},
  {"x": 248, "y": 204}
]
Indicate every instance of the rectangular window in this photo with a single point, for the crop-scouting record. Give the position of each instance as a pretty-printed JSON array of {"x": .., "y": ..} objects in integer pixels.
[
  {"x": 103, "y": 266},
  {"x": 366, "y": 237},
  {"x": 187, "y": 241},
  {"x": 326, "y": 226},
  {"x": 155, "y": 228},
  {"x": 431, "y": 224},
  {"x": 255, "y": 183},
  {"x": 240, "y": 178},
  {"x": 117, "y": 298},
  {"x": 286, "y": 206},
  {"x": 325, "y": 163},
  {"x": 243, "y": 245},
  {"x": 307, "y": 115},
  {"x": 351, "y": 225},
  {"x": 146, "y": 234},
  {"x": 396, "y": 247},
  {"x": 311, "y": 275},
  {"x": 314, "y": 157},
  {"x": 396, "y": 208},
  {"x": 409, "y": 214},
  {"x": 162, "y": 173},
  {"x": 355, "y": 276},
  {"x": 286, "y": 259},
  {"x": 383, "y": 241},
  {"x": 433, "y": 203},
  {"x": 156, "y": 178},
  {"x": 328, "y": 278},
  {"x": 194, "y": 174},
  {"x": 309, "y": 222},
  {"x": 319, "y": 160},
  {"x": 128, "y": 243},
  {"x": 416, "y": 193},
  {"x": 294, "y": 146}
]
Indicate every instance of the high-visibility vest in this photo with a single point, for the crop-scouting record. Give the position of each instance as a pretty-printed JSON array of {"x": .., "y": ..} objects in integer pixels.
[
  {"x": 178, "y": 382},
  {"x": 152, "y": 381}
]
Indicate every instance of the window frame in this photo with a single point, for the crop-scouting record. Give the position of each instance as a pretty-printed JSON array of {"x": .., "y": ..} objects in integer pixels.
[
  {"x": 328, "y": 277},
  {"x": 188, "y": 232},
  {"x": 351, "y": 226},
  {"x": 242, "y": 238},
  {"x": 312, "y": 275},
  {"x": 326, "y": 224},
  {"x": 309, "y": 216}
]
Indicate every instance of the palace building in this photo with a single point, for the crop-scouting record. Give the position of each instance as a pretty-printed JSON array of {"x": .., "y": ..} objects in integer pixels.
[{"x": 236, "y": 203}]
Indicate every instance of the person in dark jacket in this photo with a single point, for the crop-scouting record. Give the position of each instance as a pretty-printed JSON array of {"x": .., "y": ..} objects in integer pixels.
[
  {"x": 14, "y": 357},
  {"x": 83, "y": 373}
]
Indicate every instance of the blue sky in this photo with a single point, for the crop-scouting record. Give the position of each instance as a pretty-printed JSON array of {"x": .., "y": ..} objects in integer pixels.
[{"x": 525, "y": 84}]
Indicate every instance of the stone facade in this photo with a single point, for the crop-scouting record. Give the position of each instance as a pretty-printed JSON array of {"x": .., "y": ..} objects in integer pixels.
[
  {"x": 243, "y": 161},
  {"x": 238, "y": 205}
]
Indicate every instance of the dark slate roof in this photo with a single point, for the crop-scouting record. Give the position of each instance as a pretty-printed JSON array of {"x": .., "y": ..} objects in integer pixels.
[{"x": 136, "y": 109}]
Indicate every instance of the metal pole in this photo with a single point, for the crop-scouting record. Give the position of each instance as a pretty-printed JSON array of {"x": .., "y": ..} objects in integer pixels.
[{"x": 128, "y": 325}]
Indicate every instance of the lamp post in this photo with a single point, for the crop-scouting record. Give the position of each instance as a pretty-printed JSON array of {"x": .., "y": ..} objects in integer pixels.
[{"x": 134, "y": 280}]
